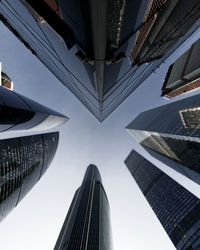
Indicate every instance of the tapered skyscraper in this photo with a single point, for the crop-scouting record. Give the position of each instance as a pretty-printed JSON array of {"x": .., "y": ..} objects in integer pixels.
[
  {"x": 177, "y": 209},
  {"x": 87, "y": 225},
  {"x": 171, "y": 133},
  {"x": 23, "y": 161}
]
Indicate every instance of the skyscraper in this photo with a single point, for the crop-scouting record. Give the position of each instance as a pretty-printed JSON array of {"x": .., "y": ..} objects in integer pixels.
[
  {"x": 20, "y": 113},
  {"x": 177, "y": 209},
  {"x": 171, "y": 134},
  {"x": 87, "y": 224},
  {"x": 23, "y": 161},
  {"x": 184, "y": 74},
  {"x": 87, "y": 44}
]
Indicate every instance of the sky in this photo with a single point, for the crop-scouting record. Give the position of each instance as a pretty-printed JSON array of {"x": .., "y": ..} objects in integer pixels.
[{"x": 36, "y": 222}]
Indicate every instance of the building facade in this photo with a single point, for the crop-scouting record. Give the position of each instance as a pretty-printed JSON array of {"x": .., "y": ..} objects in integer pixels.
[
  {"x": 171, "y": 134},
  {"x": 177, "y": 209},
  {"x": 164, "y": 23},
  {"x": 95, "y": 37},
  {"x": 23, "y": 161},
  {"x": 184, "y": 74},
  {"x": 87, "y": 224},
  {"x": 6, "y": 82},
  {"x": 22, "y": 114}
]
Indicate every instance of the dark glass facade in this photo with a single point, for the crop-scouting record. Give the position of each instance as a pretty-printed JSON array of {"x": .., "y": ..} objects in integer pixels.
[
  {"x": 87, "y": 225},
  {"x": 20, "y": 113},
  {"x": 63, "y": 35},
  {"x": 23, "y": 161},
  {"x": 167, "y": 119},
  {"x": 165, "y": 21},
  {"x": 183, "y": 151},
  {"x": 177, "y": 209},
  {"x": 183, "y": 75},
  {"x": 164, "y": 131}
]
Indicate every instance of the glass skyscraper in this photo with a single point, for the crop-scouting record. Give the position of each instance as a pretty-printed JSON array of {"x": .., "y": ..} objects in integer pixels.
[
  {"x": 177, "y": 209},
  {"x": 87, "y": 224},
  {"x": 171, "y": 134},
  {"x": 88, "y": 44},
  {"x": 20, "y": 113},
  {"x": 23, "y": 161}
]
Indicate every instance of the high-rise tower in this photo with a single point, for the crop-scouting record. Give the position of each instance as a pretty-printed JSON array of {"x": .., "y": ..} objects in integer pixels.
[
  {"x": 177, "y": 209},
  {"x": 87, "y": 224},
  {"x": 20, "y": 113},
  {"x": 87, "y": 44},
  {"x": 23, "y": 161},
  {"x": 171, "y": 133}
]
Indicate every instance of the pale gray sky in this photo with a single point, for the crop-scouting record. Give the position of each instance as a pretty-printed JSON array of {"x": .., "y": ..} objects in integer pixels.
[{"x": 36, "y": 222}]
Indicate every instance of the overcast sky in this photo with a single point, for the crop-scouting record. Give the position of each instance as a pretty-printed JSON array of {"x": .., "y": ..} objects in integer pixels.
[{"x": 36, "y": 222}]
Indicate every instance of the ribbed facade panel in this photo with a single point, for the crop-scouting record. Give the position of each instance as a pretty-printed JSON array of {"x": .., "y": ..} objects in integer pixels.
[{"x": 93, "y": 239}]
